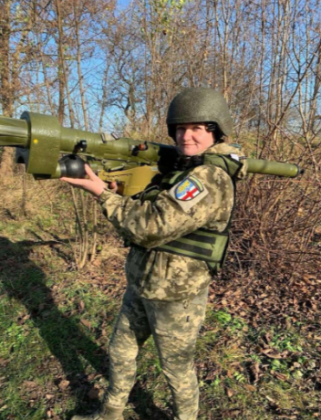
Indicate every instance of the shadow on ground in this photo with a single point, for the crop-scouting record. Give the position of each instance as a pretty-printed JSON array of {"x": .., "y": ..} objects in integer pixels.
[{"x": 25, "y": 282}]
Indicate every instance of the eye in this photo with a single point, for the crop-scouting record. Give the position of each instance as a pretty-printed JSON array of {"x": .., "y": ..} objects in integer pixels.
[{"x": 180, "y": 129}]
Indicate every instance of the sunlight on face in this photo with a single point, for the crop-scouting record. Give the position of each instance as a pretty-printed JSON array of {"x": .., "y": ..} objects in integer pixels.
[{"x": 193, "y": 139}]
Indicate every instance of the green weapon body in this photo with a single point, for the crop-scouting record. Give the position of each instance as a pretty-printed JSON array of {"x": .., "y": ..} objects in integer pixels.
[{"x": 41, "y": 140}]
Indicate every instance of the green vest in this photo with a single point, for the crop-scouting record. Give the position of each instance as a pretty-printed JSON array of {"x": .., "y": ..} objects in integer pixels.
[{"x": 202, "y": 244}]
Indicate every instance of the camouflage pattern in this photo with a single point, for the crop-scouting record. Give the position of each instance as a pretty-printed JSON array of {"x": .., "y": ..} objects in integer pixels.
[
  {"x": 108, "y": 413},
  {"x": 227, "y": 149},
  {"x": 174, "y": 326},
  {"x": 167, "y": 293},
  {"x": 160, "y": 275}
]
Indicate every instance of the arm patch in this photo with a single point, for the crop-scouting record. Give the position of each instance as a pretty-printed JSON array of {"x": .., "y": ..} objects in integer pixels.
[{"x": 188, "y": 192}]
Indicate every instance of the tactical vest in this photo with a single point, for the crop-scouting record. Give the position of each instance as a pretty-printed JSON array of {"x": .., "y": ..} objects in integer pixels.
[{"x": 202, "y": 244}]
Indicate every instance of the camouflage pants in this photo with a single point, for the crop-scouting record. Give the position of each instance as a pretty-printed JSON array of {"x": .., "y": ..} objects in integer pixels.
[{"x": 174, "y": 326}]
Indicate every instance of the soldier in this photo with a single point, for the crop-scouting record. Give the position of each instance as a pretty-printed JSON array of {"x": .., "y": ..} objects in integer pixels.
[{"x": 178, "y": 230}]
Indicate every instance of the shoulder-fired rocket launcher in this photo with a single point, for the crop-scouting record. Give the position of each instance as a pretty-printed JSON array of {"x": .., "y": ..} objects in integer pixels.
[{"x": 41, "y": 141}]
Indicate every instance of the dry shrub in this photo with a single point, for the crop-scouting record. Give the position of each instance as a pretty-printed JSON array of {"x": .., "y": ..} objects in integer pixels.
[
  {"x": 273, "y": 269},
  {"x": 273, "y": 266},
  {"x": 6, "y": 162},
  {"x": 50, "y": 209},
  {"x": 23, "y": 196}
]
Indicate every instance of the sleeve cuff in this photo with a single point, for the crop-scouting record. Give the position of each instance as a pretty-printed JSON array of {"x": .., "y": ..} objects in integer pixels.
[{"x": 104, "y": 196}]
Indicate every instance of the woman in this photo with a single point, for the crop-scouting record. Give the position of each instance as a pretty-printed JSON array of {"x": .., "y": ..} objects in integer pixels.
[{"x": 178, "y": 230}]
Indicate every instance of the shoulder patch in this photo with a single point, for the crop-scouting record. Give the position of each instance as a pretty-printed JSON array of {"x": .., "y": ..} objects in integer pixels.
[{"x": 188, "y": 192}]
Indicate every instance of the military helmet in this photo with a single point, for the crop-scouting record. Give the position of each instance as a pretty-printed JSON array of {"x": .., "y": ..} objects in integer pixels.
[{"x": 199, "y": 105}]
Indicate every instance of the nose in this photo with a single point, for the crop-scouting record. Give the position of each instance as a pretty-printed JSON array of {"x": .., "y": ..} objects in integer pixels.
[{"x": 187, "y": 134}]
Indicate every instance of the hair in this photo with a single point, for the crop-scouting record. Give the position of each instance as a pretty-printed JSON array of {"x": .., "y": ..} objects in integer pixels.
[
  {"x": 217, "y": 132},
  {"x": 212, "y": 127}
]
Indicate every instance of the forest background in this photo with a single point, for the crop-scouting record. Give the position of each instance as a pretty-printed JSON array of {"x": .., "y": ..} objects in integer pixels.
[{"x": 105, "y": 66}]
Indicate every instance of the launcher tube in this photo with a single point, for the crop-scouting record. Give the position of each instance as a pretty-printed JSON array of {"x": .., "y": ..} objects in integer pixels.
[
  {"x": 44, "y": 139},
  {"x": 268, "y": 167},
  {"x": 13, "y": 132}
]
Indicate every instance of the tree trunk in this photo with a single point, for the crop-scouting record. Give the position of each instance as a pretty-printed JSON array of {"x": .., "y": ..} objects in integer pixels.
[{"x": 6, "y": 167}]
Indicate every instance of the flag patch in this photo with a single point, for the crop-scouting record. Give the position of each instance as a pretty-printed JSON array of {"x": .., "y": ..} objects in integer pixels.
[
  {"x": 188, "y": 192},
  {"x": 188, "y": 189}
]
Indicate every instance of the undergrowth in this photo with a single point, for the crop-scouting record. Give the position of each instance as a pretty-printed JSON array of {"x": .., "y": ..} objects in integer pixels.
[{"x": 258, "y": 354}]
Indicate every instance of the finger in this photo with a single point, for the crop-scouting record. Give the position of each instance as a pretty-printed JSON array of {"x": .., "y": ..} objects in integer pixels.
[
  {"x": 90, "y": 172},
  {"x": 112, "y": 185},
  {"x": 73, "y": 181}
]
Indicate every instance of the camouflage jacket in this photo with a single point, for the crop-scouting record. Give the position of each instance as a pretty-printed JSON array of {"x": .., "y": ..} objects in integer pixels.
[{"x": 160, "y": 275}]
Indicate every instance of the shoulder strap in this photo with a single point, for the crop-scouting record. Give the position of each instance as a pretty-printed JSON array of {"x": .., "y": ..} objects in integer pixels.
[{"x": 230, "y": 165}]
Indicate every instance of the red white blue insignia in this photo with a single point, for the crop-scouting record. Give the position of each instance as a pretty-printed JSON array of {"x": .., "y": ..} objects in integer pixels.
[{"x": 188, "y": 189}]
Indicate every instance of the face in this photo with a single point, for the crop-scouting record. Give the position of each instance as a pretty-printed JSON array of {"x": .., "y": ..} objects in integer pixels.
[{"x": 193, "y": 139}]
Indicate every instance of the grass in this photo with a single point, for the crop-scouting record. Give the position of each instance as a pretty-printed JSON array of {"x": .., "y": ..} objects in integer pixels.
[
  {"x": 55, "y": 325},
  {"x": 50, "y": 358}
]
